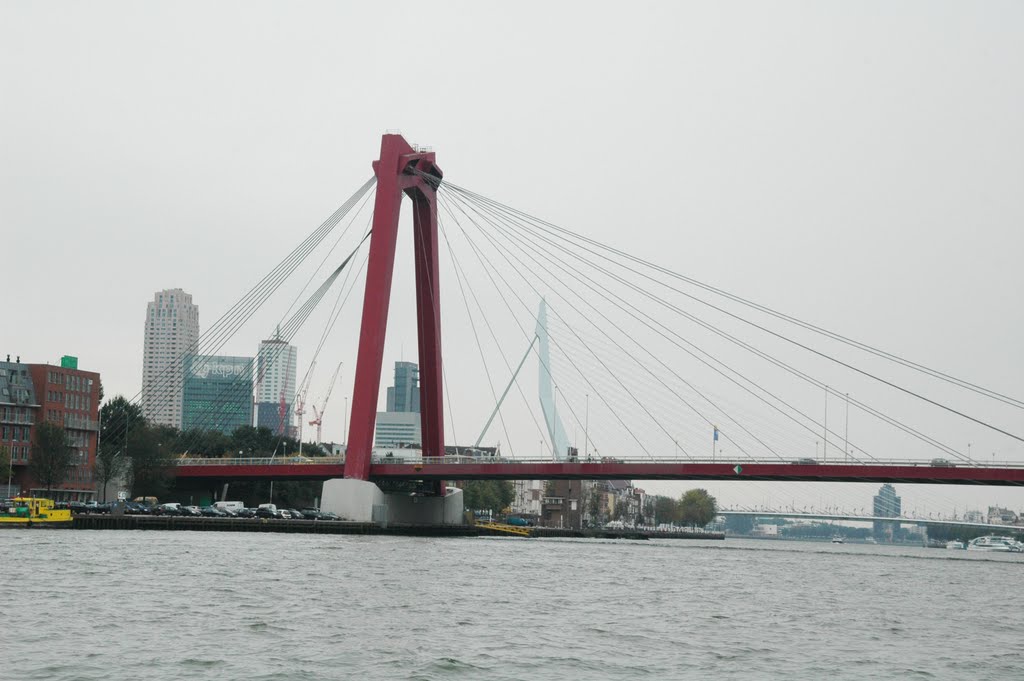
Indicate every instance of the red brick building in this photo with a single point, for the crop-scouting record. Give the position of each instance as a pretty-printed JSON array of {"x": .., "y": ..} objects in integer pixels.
[{"x": 65, "y": 395}]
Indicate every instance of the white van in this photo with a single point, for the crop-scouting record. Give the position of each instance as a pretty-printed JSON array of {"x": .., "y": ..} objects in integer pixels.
[{"x": 233, "y": 506}]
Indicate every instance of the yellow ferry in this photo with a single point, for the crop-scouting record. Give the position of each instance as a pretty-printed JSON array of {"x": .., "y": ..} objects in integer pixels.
[{"x": 29, "y": 511}]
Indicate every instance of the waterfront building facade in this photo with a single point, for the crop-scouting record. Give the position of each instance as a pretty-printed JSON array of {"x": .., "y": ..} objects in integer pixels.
[
  {"x": 64, "y": 395},
  {"x": 217, "y": 393},
  {"x": 275, "y": 385},
  {"x": 172, "y": 331}
]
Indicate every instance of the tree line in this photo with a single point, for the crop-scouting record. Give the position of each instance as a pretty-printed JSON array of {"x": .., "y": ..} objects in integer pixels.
[{"x": 144, "y": 453}]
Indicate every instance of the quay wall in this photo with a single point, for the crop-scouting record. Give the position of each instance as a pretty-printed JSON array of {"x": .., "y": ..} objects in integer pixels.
[{"x": 142, "y": 522}]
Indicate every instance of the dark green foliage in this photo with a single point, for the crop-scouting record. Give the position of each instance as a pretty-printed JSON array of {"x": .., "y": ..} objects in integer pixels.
[
  {"x": 118, "y": 419},
  {"x": 150, "y": 455},
  {"x": 697, "y": 508},
  {"x": 52, "y": 456},
  {"x": 487, "y": 495}
]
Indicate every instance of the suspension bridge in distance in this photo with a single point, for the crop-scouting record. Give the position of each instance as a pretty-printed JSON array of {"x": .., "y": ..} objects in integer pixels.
[{"x": 861, "y": 518}]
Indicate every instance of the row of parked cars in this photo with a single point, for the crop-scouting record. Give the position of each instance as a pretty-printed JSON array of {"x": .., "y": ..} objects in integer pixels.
[
  {"x": 84, "y": 506},
  {"x": 219, "y": 510}
]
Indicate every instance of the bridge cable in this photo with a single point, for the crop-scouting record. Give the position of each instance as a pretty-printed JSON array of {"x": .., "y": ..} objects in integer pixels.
[
  {"x": 166, "y": 383},
  {"x": 476, "y": 336},
  {"x": 222, "y": 338},
  {"x": 537, "y": 293},
  {"x": 760, "y": 353},
  {"x": 763, "y": 308},
  {"x": 230, "y": 393},
  {"x": 813, "y": 432},
  {"x": 567, "y": 266},
  {"x": 632, "y": 356},
  {"x": 488, "y": 269},
  {"x": 490, "y": 329}
]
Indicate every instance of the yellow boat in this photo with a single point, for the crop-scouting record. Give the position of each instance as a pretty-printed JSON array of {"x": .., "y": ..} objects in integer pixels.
[{"x": 30, "y": 511}]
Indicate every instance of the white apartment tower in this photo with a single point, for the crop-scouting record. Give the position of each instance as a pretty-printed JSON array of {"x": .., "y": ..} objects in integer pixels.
[
  {"x": 172, "y": 330},
  {"x": 276, "y": 383}
]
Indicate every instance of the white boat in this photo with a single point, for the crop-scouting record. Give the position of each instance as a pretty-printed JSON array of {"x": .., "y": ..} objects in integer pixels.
[
  {"x": 994, "y": 543},
  {"x": 837, "y": 540},
  {"x": 954, "y": 544}
]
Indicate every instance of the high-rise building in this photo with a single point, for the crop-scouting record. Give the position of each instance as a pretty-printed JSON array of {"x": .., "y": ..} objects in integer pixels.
[
  {"x": 275, "y": 376},
  {"x": 886, "y": 505},
  {"x": 217, "y": 394},
  {"x": 404, "y": 395},
  {"x": 172, "y": 331},
  {"x": 65, "y": 395},
  {"x": 400, "y": 424}
]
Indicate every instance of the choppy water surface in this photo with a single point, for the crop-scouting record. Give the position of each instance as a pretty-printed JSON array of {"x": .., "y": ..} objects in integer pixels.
[{"x": 182, "y": 605}]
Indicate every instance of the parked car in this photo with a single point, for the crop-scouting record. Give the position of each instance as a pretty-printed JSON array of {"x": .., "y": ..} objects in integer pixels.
[
  {"x": 311, "y": 514},
  {"x": 246, "y": 513},
  {"x": 192, "y": 511},
  {"x": 77, "y": 506},
  {"x": 265, "y": 512},
  {"x": 168, "y": 509},
  {"x": 327, "y": 515},
  {"x": 211, "y": 512},
  {"x": 135, "y": 508},
  {"x": 296, "y": 514}
]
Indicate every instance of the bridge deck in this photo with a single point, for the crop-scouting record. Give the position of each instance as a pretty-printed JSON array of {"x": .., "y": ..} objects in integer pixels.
[{"x": 895, "y": 472}]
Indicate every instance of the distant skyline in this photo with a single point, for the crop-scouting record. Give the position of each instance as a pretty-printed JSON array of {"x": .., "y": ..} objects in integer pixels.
[{"x": 857, "y": 166}]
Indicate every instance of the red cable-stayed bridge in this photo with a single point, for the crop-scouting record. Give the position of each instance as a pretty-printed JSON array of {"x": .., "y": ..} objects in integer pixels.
[{"x": 410, "y": 172}]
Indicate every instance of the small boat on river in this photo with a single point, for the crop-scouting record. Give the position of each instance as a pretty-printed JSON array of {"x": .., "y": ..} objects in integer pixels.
[
  {"x": 837, "y": 539},
  {"x": 32, "y": 511},
  {"x": 995, "y": 543}
]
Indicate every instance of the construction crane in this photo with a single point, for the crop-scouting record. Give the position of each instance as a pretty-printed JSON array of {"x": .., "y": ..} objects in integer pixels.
[
  {"x": 318, "y": 421},
  {"x": 300, "y": 400}
]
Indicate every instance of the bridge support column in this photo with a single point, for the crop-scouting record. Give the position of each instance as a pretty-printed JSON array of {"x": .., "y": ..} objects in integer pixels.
[
  {"x": 398, "y": 171},
  {"x": 362, "y": 501}
]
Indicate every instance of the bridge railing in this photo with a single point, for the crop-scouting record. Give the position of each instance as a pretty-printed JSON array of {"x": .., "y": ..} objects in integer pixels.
[
  {"x": 259, "y": 461},
  {"x": 465, "y": 459}
]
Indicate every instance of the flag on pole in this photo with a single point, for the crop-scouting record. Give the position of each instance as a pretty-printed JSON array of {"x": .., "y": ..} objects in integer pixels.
[{"x": 716, "y": 433}]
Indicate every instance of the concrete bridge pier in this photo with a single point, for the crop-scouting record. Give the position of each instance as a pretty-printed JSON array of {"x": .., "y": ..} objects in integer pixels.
[{"x": 363, "y": 501}]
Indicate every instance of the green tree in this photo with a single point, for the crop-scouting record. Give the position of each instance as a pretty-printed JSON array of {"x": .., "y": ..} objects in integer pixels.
[
  {"x": 151, "y": 460},
  {"x": 697, "y": 508},
  {"x": 666, "y": 510},
  {"x": 594, "y": 506},
  {"x": 111, "y": 462},
  {"x": 206, "y": 443},
  {"x": 118, "y": 419},
  {"x": 52, "y": 456},
  {"x": 5, "y": 462},
  {"x": 487, "y": 495}
]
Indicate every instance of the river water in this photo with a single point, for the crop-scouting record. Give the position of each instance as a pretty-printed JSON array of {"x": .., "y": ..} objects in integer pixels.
[{"x": 81, "y": 605}]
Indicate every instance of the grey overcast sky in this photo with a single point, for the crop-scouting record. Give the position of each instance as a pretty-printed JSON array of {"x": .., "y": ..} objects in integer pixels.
[{"x": 859, "y": 165}]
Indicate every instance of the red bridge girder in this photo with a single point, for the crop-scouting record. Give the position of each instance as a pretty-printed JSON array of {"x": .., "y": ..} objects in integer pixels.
[{"x": 778, "y": 472}]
